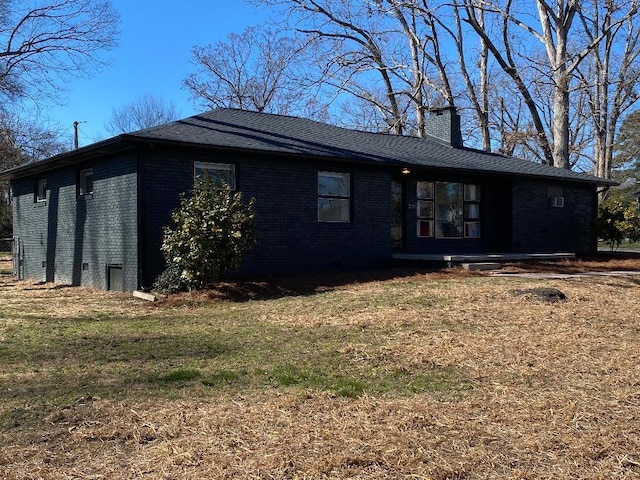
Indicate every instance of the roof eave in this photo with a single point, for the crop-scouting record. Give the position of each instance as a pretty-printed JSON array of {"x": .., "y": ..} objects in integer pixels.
[
  {"x": 589, "y": 179},
  {"x": 127, "y": 141},
  {"x": 95, "y": 150}
]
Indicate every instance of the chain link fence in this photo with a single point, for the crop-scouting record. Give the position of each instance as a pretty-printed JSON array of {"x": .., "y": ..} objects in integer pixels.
[
  {"x": 7, "y": 255},
  {"x": 6, "y": 246}
]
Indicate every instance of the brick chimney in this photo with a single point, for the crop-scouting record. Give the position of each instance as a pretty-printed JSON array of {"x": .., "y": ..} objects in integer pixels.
[{"x": 444, "y": 124}]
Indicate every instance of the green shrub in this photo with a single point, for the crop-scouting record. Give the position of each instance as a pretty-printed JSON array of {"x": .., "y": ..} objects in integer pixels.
[
  {"x": 213, "y": 231},
  {"x": 617, "y": 222}
]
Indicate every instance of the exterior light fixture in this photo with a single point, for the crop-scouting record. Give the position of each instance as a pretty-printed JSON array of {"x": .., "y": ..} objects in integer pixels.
[{"x": 406, "y": 171}]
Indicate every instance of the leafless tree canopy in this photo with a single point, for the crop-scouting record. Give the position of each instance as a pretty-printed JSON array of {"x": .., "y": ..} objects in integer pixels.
[
  {"x": 545, "y": 80},
  {"x": 258, "y": 69},
  {"x": 25, "y": 139},
  {"x": 22, "y": 140},
  {"x": 146, "y": 111},
  {"x": 548, "y": 50},
  {"x": 43, "y": 42}
]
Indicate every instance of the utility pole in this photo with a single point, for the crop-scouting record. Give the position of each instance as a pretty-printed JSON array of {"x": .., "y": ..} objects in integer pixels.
[{"x": 75, "y": 133}]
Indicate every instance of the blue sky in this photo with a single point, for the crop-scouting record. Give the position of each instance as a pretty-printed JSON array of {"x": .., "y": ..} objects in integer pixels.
[{"x": 153, "y": 57}]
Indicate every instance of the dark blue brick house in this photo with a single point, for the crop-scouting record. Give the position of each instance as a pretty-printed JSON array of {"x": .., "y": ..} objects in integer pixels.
[{"x": 325, "y": 197}]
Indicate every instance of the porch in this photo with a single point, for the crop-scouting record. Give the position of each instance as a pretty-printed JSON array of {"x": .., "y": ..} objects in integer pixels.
[{"x": 486, "y": 260}]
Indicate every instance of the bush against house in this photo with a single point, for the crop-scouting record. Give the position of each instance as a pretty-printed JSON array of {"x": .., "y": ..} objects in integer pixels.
[{"x": 214, "y": 230}]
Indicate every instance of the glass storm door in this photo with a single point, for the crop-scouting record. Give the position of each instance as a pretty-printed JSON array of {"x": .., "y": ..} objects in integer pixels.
[{"x": 397, "y": 217}]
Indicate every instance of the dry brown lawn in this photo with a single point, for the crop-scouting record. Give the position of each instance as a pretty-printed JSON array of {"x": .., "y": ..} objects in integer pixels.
[{"x": 527, "y": 388}]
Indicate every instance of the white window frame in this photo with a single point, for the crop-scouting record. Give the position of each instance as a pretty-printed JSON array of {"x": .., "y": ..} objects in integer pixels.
[
  {"x": 207, "y": 167},
  {"x": 83, "y": 183},
  {"x": 41, "y": 190}
]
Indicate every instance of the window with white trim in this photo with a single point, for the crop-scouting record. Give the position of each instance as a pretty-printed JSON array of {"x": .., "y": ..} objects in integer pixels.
[
  {"x": 334, "y": 197},
  {"x": 85, "y": 182},
  {"x": 216, "y": 175},
  {"x": 41, "y": 190}
]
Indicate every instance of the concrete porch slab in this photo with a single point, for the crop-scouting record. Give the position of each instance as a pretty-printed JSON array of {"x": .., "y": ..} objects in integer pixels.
[
  {"x": 481, "y": 266},
  {"x": 485, "y": 257},
  {"x": 451, "y": 260}
]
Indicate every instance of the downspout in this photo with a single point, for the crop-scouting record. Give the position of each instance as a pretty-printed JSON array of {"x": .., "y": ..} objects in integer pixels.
[
  {"x": 140, "y": 222},
  {"x": 594, "y": 217}
]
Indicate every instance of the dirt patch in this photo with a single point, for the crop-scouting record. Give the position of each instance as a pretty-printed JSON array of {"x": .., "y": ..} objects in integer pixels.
[{"x": 603, "y": 262}]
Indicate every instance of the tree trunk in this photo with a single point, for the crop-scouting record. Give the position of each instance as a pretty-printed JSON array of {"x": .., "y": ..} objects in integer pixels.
[{"x": 561, "y": 122}]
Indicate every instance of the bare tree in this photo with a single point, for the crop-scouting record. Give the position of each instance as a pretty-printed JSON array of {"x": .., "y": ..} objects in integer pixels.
[
  {"x": 145, "y": 111},
  {"x": 44, "y": 42},
  {"x": 22, "y": 140},
  {"x": 25, "y": 138},
  {"x": 385, "y": 53},
  {"x": 563, "y": 48},
  {"x": 545, "y": 80},
  {"x": 354, "y": 44},
  {"x": 255, "y": 70},
  {"x": 420, "y": 27},
  {"x": 610, "y": 75},
  {"x": 471, "y": 64}
]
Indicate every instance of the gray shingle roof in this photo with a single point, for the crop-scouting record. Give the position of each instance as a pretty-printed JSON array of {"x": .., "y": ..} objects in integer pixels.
[
  {"x": 291, "y": 135},
  {"x": 263, "y": 132}
]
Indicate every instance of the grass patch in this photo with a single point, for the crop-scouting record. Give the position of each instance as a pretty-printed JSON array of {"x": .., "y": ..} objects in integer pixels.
[
  {"x": 57, "y": 348},
  {"x": 341, "y": 385},
  {"x": 624, "y": 245},
  {"x": 224, "y": 378},
  {"x": 6, "y": 264},
  {"x": 418, "y": 375},
  {"x": 182, "y": 375}
]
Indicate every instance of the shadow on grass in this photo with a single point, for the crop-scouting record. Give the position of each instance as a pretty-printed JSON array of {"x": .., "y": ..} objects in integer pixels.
[
  {"x": 56, "y": 367},
  {"x": 278, "y": 286},
  {"x": 273, "y": 287}
]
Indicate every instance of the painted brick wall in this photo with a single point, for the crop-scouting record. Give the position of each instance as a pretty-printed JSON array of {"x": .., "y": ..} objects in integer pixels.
[
  {"x": 163, "y": 176},
  {"x": 444, "y": 124},
  {"x": 289, "y": 237},
  {"x": 516, "y": 216},
  {"x": 72, "y": 239},
  {"x": 31, "y": 229},
  {"x": 538, "y": 227}
]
